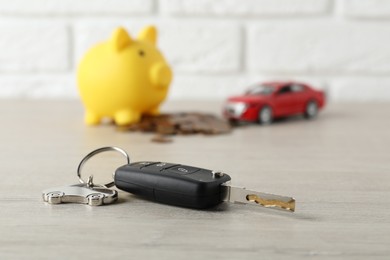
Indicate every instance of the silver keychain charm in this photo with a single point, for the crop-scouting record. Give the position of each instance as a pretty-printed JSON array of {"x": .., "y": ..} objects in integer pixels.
[
  {"x": 86, "y": 192},
  {"x": 80, "y": 193}
]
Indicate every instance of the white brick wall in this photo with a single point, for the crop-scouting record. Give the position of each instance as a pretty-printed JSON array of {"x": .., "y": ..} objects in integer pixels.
[
  {"x": 216, "y": 48},
  {"x": 367, "y": 8},
  {"x": 39, "y": 47},
  {"x": 245, "y": 8},
  {"x": 321, "y": 46},
  {"x": 75, "y": 7}
]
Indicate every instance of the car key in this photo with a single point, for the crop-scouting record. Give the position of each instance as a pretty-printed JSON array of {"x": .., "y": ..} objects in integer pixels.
[
  {"x": 169, "y": 183},
  {"x": 189, "y": 186}
]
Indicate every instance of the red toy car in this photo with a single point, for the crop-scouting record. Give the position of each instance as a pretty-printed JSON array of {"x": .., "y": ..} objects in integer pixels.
[{"x": 264, "y": 102}]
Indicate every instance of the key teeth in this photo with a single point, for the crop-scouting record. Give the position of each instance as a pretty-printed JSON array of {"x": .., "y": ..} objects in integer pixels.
[
  {"x": 292, "y": 202},
  {"x": 290, "y": 205}
]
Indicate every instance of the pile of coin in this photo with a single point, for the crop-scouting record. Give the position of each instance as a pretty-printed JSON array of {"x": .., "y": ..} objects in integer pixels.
[{"x": 180, "y": 123}]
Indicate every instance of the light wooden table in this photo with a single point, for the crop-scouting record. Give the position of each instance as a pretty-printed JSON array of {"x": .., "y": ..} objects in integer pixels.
[{"x": 337, "y": 167}]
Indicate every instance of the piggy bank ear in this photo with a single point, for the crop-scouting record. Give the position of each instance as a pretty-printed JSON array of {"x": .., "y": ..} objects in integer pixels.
[
  {"x": 120, "y": 39},
  {"x": 149, "y": 34}
]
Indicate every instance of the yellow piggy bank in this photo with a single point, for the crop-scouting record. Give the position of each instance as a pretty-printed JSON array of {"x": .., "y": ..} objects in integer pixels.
[{"x": 123, "y": 78}]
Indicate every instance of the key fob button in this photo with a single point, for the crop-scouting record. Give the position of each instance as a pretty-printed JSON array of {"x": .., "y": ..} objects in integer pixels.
[
  {"x": 182, "y": 169},
  {"x": 158, "y": 167},
  {"x": 140, "y": 165},
  {"x": 164, "y": 165}
]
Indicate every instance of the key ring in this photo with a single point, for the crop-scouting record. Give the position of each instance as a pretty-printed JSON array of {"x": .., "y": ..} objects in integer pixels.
[{"x": 95, "y": 152}]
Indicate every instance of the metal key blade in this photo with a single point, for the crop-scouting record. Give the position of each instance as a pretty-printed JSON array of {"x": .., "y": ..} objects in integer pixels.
[{"x": 242, "y": 195}]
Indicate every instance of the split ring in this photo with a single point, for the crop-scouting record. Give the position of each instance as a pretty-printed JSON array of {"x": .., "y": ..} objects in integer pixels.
[{"x": 95, "y": 152}]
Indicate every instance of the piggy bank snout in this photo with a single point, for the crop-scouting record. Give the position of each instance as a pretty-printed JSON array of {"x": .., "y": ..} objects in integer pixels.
[{"x": 161, "y": 75}]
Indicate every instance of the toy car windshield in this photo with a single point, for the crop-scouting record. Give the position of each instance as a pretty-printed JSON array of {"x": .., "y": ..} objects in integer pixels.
[{"x": 260, "y": 90}]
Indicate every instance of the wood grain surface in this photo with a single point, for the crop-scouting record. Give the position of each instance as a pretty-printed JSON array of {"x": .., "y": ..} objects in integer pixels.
[{"x": 337, "y": 167}]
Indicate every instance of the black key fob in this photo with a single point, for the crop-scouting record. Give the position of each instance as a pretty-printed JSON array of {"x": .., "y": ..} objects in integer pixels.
[{"x": 171, "y": 183}]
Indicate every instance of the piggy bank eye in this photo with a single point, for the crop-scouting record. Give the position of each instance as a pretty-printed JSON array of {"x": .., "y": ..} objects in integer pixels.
[{"x": 141, "y": 53}]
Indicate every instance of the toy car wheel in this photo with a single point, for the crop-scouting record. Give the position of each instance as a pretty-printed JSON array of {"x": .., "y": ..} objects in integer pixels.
[
  {"x": 311, "y": 110},
  {"x": 54, "y": 197},
  {"x": 95, "y": 199},
  {"x": 265, "y": 115}
]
